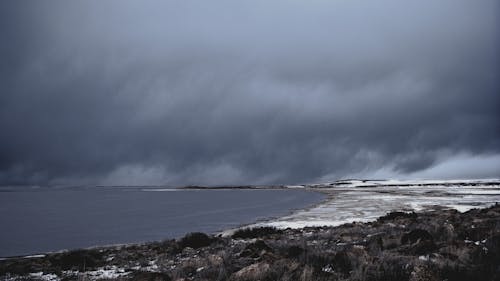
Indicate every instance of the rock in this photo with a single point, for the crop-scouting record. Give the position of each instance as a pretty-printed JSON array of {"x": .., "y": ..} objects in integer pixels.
[
  {"x": 255, "y": 271},
  {"x": 421, "y": 273},
  {"x": 215, "y": 260},
  {"x": 188, "y": 251}
]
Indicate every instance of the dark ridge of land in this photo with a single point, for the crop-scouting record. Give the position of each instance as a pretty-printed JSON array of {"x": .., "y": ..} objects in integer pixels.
[
  {"x": 219, "y": 187},
  {"x": 236, "y": 187},
  {"x": 447, "y": 184},
  {"x": 432, "y": 245},
  {"x": 361, "y": 184}
]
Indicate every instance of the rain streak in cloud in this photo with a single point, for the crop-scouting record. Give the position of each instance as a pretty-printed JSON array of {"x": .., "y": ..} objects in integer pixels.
[{"x": 247, "y": 92}]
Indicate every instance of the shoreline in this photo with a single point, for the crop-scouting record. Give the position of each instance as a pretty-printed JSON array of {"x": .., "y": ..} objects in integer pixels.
[
  {"x": 331, "y": 192},
  {"x": 366, "y": 200},
  {"x": 402, "y": 244},
  {"x": 66, "y": 264},
  {"x": 257, "y": 219},
  {"x": 262, "y": 222}
]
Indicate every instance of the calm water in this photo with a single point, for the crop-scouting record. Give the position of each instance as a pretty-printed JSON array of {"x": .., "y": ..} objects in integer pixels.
[{"x": 50, "y": 220}]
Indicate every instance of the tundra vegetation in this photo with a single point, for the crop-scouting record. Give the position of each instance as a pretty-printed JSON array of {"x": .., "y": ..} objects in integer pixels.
[{"x": 441, "y": 244}]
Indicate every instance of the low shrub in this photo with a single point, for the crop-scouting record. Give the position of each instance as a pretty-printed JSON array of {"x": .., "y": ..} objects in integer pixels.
[
  {"x": 256, "y": 232},
  {"x": 195, "y": 240},
  {"x": 151, "y": 276},
  {"x": 255, "y": 250},
  {"x": 416, "y": 235},
  {"x": 79, "y": 260},
  {"x": 389, "y": 268},
  {"x": 397, "y": 215},
  {"x": 294, "y": 251}
]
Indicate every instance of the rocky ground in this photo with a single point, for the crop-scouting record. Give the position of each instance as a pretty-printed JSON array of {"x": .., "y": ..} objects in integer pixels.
[{"x": 434, "y": 245}]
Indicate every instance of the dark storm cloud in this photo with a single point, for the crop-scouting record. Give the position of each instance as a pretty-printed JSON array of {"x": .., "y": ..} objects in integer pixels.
[{"x": 220, "y": 92}]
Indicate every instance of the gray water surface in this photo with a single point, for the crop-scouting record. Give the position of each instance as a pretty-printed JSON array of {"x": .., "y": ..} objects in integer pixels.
[{"x": 55, "y": 219}]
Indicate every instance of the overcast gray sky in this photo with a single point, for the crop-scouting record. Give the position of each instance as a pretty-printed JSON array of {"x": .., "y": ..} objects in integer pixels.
[{"x": 248, "y": 92}]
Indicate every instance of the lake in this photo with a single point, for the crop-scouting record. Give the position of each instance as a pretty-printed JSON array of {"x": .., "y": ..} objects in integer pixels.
[{"x": 47, "y": 219}]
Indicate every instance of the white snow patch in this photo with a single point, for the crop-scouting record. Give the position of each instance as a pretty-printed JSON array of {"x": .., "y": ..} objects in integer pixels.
[
  {"x": 327, "y": 269},
  {"x": 152, "y": 266},
  {"x": 363, "y": 201},
  {"x": 294, "y": 186},
  {"x": 108, "y": 272},
  {"x": 423, "y": 258},
  {"x": 33, "y": 256},
  {"x": 45, "y": 277},
  {"x": 461, "y": 208}
]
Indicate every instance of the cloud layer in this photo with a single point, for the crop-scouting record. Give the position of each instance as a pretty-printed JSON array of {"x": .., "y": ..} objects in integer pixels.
[{"x": 245, "y": 92}]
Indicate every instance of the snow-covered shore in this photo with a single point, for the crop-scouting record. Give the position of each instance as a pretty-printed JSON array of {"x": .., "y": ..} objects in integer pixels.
[{"x": 366, "y": 200}]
